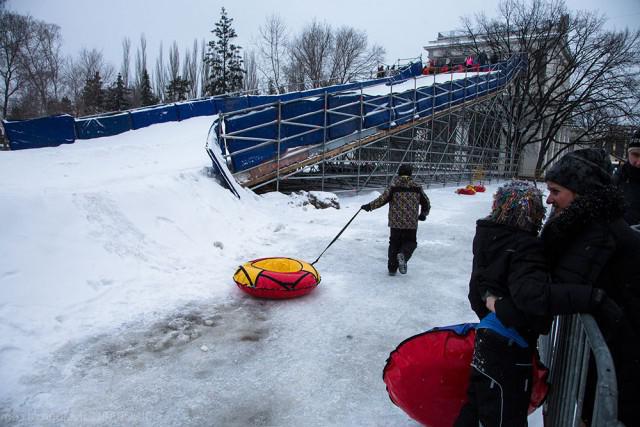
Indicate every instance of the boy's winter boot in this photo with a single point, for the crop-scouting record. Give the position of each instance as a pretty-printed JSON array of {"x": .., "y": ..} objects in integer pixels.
[{"x": 402, "y": 264}]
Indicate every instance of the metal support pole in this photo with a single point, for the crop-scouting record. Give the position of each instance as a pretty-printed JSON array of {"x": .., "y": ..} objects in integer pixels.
[
  {"x": 362, "y": 118},
  {"x": 279, "y": 119},
  {"x": 389, "y": 139},
  {"x": 324, "y": 137}
]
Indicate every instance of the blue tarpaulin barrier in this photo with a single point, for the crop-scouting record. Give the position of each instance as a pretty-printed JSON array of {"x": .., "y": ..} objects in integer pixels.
[
  {"x": 403, "y": 106},
  {"x": 257, "y": 100},
  {"x": 424, "y": 100},
  {"x": 242, "y": 161},
  {"x": 294, "y": 126},
  {"x": 339, "y": 105},
  {"x": 43, "y": 132},
  {"x": 205, "y": 107},
  {"x": 376, "y": 111},
  {"x": 413, "y": 70},
  {"x": 441, "y": 92},
  {"x": 56, "y": 130},
  {"x": 96, "y": 127},
  {"x": 150, "y": 116},
  {"x": 228, "y": 104}
]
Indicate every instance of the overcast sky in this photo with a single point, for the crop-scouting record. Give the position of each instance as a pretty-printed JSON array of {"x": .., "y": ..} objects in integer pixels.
[{"x": 401, "y": 27}]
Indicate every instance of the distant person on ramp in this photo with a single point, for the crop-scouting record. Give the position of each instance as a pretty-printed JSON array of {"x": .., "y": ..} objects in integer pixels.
[{"x": 408, "y": 204}]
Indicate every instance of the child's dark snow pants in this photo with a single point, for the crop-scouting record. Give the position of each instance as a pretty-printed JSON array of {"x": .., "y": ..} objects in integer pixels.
[
  {"x": 401, "y": 240},
  {"x": 500, "y": 385}
]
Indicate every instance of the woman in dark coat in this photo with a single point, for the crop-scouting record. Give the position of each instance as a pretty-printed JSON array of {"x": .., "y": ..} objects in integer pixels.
[{"x": 586, "y": 240}]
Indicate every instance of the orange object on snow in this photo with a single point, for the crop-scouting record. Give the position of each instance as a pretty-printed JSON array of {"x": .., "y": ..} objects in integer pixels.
[
  {"x": 468, "y": 190},
  {"x": 471, "y": 189}
]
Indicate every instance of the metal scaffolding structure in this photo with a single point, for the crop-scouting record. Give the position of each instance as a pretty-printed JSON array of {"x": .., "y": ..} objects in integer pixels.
[
  {"x": 450, "y": 131},
  {"x": 458, "y": 145}
]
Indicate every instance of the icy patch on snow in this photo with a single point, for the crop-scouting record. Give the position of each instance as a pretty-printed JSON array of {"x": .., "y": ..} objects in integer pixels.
[{"x": 201, "y": 342}]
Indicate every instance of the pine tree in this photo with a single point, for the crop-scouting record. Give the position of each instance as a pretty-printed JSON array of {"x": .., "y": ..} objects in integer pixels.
[
  {"x": 146, "y": 93},
  {"x": 93, "y": 95},
  {"x": 118, "y": 96},
  {"x": 224, "y": 59},
  {"x": 177, "y": 90}
]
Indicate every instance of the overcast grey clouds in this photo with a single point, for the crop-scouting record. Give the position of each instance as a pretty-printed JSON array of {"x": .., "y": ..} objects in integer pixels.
[{"x": 401, "y": 27}]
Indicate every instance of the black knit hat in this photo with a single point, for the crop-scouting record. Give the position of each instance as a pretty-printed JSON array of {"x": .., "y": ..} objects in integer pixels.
[
  {"x": 405, "y": 170},
  {"x": 582, "y": 170}
]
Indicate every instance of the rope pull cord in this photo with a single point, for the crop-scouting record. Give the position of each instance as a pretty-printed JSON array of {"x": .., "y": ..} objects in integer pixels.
[{"x": 336, "y": 238}]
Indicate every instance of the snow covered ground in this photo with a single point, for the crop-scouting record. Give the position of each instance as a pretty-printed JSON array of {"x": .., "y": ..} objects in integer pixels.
[{"x": 117, "y": 305}]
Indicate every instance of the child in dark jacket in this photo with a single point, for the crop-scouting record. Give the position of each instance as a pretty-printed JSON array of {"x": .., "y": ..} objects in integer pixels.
[
  {"x": 406, "y": 198},
  {"x": 510, "y": 292}
]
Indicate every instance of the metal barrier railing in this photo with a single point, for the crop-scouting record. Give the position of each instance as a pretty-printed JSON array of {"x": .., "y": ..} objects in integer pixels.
[
  {"x": 397, "y": 106},
  {"x": 567, "y": 351}
]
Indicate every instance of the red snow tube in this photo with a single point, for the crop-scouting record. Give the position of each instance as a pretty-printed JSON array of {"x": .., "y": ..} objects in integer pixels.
[
  {"x": 427, "y": 375},
  {"x": 479, "y": 188},
  {"x": 276, "y": 278},
  {"x": 469, "y": 190}
]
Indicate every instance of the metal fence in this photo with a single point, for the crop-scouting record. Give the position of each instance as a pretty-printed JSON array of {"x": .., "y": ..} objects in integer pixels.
[{"x": 567, "y": 351}]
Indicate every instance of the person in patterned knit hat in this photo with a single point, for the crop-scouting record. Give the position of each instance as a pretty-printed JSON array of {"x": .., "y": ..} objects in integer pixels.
[
  {"x": 627, "y": 179},
  {"x": 587, "y": 240},
  {"x": 405, "y": 198},
  {"x": 510, "y": 293}
]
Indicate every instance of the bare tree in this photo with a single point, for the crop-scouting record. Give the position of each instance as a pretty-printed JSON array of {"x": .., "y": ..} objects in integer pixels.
[
  {"x": 205, "y": 70},
  {"x": 272, "y": 47},
  {"x": 126, "y": 61},
  {"x": 177, "y": 87},
  {"x": 173, "y": 68},
  {"x": 578, "y": 75},
  {"x": 41, "y": 61},
  {"x": 14, "y": 32},
  {"x": 295, "y": 74},
  {"x": 311, "y": 49},
  {"x": 250, "y": 82},
  {"x": 141, "y": 60},
  {"x": 351, "y": 57},
  {"x": 78, "y": 72},
  {"x": 160, "y": 74},
  {"x": 190, "y": 69}
]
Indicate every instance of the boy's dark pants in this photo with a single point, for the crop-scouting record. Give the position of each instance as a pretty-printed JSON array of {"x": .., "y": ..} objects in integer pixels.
[
  {"x": 401, "y": 240},
  {"x": 500, "y": 385}
]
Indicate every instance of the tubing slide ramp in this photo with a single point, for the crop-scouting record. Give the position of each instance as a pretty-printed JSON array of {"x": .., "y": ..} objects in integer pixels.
[{"x": 356, "y": 135}]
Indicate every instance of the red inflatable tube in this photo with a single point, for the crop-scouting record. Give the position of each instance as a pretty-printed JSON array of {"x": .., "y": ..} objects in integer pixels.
[
  {"x": 276, "y": 278},
  {"x": 427, "y": 375}
]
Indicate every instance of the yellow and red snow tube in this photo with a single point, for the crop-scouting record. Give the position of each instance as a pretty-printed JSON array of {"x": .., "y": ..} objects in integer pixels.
[
  {"x": 276, "y": 278},
  {"x": 471, "y": 189}
]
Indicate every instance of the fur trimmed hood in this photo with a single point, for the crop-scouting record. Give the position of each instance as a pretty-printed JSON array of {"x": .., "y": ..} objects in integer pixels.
[{"x": 599, "y": 206}]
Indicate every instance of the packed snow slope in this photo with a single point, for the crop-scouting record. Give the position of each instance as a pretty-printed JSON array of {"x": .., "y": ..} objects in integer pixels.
[{"x": 118, "y": 307}]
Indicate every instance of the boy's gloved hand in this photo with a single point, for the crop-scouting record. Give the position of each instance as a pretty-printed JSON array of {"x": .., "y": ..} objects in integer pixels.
[
  {"x": 366, "y": 207},
  {"x": 422, "y": 217}
]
